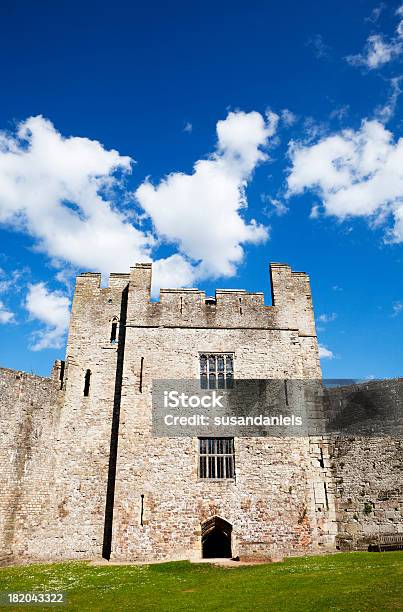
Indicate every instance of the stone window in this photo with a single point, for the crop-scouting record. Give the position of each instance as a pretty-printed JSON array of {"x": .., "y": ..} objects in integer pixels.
[
  {"x": 216, "y": 370},
  {"x": 114, "y": 331},
  {"x": 216, "y": 458},
  {"x": 87, "y": 382}
]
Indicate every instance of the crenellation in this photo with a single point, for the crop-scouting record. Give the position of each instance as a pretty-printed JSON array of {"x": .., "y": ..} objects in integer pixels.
[
  {"x": 230, "y": 308},
  {"x": 118, "y": 281},
  {"x": 140, "y": 278},
  {"x": 89, "y": 279},
  {"x": 291, "y": 296}
]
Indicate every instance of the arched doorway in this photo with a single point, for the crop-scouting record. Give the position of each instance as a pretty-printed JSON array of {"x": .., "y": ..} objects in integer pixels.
[{"x": 216, "y": 538}]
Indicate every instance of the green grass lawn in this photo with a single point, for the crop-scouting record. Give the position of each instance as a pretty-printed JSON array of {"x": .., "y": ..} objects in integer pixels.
[{"x": 345, "y": 581}]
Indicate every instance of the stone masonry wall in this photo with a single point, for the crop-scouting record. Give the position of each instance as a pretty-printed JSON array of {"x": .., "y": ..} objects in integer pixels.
[
  {"x": 29, "y": 425},
  {"x": 367, "y": 470},
  {"x": 86, "y": 421},
  {"x": 277, "y": 503}
]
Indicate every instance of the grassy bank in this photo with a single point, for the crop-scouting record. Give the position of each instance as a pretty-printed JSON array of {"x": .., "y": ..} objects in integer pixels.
[{"x": 348, "y": 581}]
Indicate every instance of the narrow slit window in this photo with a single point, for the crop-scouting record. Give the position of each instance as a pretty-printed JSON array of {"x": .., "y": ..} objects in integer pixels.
[
  {"x": 326, "y": 497},
  {"x": 141, "y": 375},
  {"x": 87, "y": 383},
  {"x": 142, "y": 510},
  {"x": 62, "y": 371},
  {"x": 114, "y": 331},
  {"x": 216, "y": 458}
]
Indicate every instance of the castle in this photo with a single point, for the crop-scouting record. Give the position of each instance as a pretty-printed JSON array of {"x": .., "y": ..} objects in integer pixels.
[{"x": 83, "y": 476}]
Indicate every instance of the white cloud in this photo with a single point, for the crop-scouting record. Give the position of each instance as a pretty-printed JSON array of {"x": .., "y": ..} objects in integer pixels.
[
  {"x": 354, "y": 173},
  {"x": 52, "y": 309},
  {"x": 59, "y": 190},
  {"x": 12, "y": 282},
  {"x": 313, "y": 129},
  {"x": 64, "y": 192},
  {"x": 378, "y": 50},
  {"x": 340, "y": 113},
  {"x": 201, "y": 212},
  {"x": 385, "y": 113},
  {"x": 327, "y": 318},
  {"x": 9, "y": 283},
  {"x": 275, "y": 206},
  {"x": 315, "y": 212},
  {"x": 288, "y": 117},
  {"x": 6, "y": 316},
  {"x": 172, "y": 272},
  {"x": 399, "y": 28},
  {"x": 397, "y": 308},
  {"x": 376, "y": 13},
  {"x": 188, "y": 127},
  {"x": 325, "y": 353}
]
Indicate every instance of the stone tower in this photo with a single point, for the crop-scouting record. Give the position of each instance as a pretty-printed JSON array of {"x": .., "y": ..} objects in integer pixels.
[
  {"x": 279, "y": 500},
  {"x": 96, "y": 481}
]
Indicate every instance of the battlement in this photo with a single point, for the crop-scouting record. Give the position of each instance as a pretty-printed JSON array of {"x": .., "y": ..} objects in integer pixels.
[
  {"x": 190, "y": 307},
  {"x": 229, "y": 308},
  {"x": 89, "y": 279},
  {"x": 93, "y": 280},
  {"x": 221, "y": 297}
]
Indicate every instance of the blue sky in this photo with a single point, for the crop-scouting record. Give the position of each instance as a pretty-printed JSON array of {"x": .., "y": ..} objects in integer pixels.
[{"x": 305, "y": 98}]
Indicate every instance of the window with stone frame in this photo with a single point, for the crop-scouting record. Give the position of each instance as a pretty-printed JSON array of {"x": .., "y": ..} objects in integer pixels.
[
  {"x": 216, "y": 458},
  {"x": 216, "y": 370},
  {"x": 87, "y": 383},
  {"x": 114, "y": 330}
]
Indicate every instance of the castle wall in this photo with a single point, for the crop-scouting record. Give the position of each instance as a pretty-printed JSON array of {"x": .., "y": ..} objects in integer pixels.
[
  {"x": 276, "y": 504},
  {"x": 29, "y": 428},
  {"x": 367, "y": 470}
]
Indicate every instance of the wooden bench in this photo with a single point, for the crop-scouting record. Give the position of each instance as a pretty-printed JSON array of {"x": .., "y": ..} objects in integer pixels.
[{"x": 386, "y": 541}]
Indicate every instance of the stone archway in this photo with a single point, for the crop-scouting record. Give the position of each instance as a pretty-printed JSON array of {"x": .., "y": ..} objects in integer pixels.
[{"x": 216, "y": 538}]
